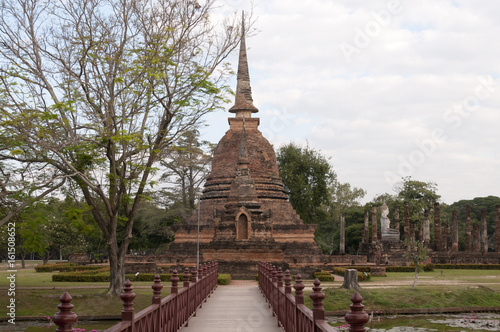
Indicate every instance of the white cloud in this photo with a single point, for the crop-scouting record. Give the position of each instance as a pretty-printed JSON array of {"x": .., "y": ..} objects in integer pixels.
[{"x": 371, "y": 113}]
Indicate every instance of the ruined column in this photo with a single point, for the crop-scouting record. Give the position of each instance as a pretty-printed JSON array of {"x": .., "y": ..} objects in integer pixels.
[
  {"x": 412, "y": 230},
  {"x": 342, "y": 233},
  {"x": 366, "y": 229},
  {"x": 497, "y": 229},
  {"x": 454, "y": 230},
  {"x": 406, "y": 216},
  {"x": 437, "y": 227},
  {"x": 444, "y": 236},
  {"x": 426, "y": 231},
  {"x": 484, "y": 232},
  {"x": 396, "y": 217},
  {"x": 475, "y": 238},
  {"x": 468, "y": 247},
  {"x": 374, "y": 224}
]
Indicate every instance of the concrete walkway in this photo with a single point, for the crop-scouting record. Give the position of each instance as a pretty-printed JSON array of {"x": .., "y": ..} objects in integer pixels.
[{"x": 234, "y": 308}]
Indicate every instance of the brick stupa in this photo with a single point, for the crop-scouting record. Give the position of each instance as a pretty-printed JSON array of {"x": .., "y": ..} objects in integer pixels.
[{"x": 244, "y": 215}]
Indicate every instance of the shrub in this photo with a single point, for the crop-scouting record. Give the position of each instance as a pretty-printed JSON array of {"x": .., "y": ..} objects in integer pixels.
[
  {"x": 468, "y": 266},
  {"x": 429, "y": 267},
  {"x": 324, "y": 277},
  {"x": 223, "y": 279},
  {"x": 54, "y": 267}
]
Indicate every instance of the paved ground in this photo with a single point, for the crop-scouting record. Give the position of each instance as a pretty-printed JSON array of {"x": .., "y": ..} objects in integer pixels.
[{"x": 239, "y": 307}]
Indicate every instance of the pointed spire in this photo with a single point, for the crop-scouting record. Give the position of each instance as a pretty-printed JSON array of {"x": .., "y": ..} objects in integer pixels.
[{"x": 243, "y": 105}]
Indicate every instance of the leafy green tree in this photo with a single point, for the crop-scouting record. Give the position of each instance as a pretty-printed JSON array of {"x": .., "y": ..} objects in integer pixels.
[
  {"x": 307, "y": 176},
  {"x": 92, "y": 91},
  {"x": 152, "y": 233},
  {"x": 419, "y": 195}
]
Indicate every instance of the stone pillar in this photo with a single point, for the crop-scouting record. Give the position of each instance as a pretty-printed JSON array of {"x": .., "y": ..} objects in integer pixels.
[
  {"x": 468, "y": 247},
  {"x": 366, "y": 230},
  {"x": 426, "y": 232},
  {"x": 484, "y": 232},
  {"x": 406, "y": 216},
  {"x": 444, "y": 236},
  {"x": 396, "y": 217},
  {"x": 342, "y": 233},
  {"x": 374, "y": 224},
  {"x": 497, "y": 229},
  {"x": 412, "y": 230},
  {"x": 454, "y": 237},
  {"x": 475, "y": 238},
  {"x": 437, "y": 227}
]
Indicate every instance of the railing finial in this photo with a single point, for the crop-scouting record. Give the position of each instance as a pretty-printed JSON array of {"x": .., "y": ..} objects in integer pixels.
[
  {"x": 157, "y": 287},
  {"x": 357, "y": 317},
  {"x": 317, "y": 297},
  {"x": 299, "y": 286},
  {"x": 65, "y": 318}
]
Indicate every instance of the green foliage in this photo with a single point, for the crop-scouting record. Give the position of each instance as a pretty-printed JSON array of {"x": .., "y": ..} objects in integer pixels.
[
  {"x": 307, "y": 176},
  {"x": 110, "y": 92},
  {"x": 324, "y": 276},
  {"x": 223, "y": 279},
  {"x": 420, "y": 196}
]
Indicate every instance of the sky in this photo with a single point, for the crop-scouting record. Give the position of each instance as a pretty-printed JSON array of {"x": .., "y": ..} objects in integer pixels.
[{"x": 385, "y": 89}]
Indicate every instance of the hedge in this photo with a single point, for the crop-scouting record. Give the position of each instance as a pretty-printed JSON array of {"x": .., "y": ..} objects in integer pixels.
[
  {"x": 103, "y": 276},
  {"x": 467, "y": 266},
  {"x": 324, "y": 276},
  {"x": 53, "y": 267}
]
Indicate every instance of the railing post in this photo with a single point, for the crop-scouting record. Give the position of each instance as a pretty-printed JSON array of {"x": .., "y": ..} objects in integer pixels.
[
  {"x": 128, "y": 297},
  {"x": 199, "y": 285},
  {"x": 65, "y": 318},
  {"x": 194, "y": 280},
  {"x": 174, "y": 279},
  {"x": 288, "y": 282},
  {"x": 185, "y": 278},
  {"x": 317, "y": 297},
  {"x": 299, "y": 286},
  {"x": 279, "y": 284},
  {"x": 174, "y": 290},
  {"x": 299, "y": 299},
  {"x": 357, "y": 317},
  {"x": 206, "y": 282},
  {"x": 157, "y": 287},
  {"x": 279, "y": 277}
]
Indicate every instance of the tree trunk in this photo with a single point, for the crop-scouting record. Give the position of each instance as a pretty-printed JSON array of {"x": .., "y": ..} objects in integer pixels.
[
  {"x": 416, "y": 274},
  {"x": 116, "y": 270},
  {"x": 351, "y": 279}
]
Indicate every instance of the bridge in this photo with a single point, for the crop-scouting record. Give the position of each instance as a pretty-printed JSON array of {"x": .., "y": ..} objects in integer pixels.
[{"x": 199, "y": 305}]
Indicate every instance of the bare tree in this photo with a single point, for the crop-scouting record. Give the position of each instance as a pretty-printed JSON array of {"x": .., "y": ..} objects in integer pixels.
[{"x": 94, "y": 90}]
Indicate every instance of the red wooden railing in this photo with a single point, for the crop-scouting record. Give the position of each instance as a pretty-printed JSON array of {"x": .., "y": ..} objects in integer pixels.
[
  {"x": 169, "y": 314},
  {"x": 292, "y": 314}
]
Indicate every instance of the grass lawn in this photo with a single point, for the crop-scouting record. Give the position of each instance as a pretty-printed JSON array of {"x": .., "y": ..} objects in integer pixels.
[
  {"x": 454, "y": 288},
  {"x": 89, "y": 298}
]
